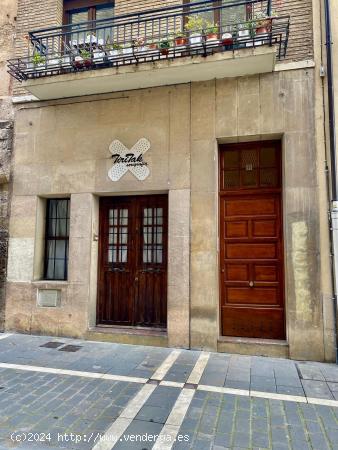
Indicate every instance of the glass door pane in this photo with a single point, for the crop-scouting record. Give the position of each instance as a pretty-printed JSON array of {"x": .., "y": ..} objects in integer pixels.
[{"x": 105, "y": 34}]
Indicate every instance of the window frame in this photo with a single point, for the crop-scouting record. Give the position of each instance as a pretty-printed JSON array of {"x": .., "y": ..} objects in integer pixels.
[
  {"x": 48, "y": 238},
  {"x": 74, "y": 5}
]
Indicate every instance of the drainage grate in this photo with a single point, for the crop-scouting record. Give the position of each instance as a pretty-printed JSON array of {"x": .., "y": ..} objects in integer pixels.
[
  {"x": 70, "y": 348},
  {"x": 52, "y": 344}
]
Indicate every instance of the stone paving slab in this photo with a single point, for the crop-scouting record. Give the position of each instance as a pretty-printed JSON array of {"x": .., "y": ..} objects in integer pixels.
[{"x": 86, "y": 404}]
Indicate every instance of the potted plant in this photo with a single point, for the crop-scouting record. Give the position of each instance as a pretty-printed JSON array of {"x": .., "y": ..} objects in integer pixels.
[
  {"x": 227, "y": 38},
  {"x": 152, "y": 45},
  {"x": 38, "y": 60},
  {"x": 263, "y": 22},
  {"x": 87, "y": 58},
  {"x": 127, "y": 50},
  {"x": 194, "y": 27},
  {"x": 114, "y": 49},
  {"x": 99, "y": 54},
  {"x": 180, "y": 39},
  {"x": 139, "y": 44},
  {"x": 244, "y": 33},
  {"x": 65, "y": 61},
  {"x": 164, "y": 46},
  {"x": 211, "y": 31},
  {"x": 53, "y": 60}
]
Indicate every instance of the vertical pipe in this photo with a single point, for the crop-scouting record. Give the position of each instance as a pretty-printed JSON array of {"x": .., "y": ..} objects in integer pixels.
[
  {"x": 333, "y": 158},
  {"x": 269, "y": 10}
]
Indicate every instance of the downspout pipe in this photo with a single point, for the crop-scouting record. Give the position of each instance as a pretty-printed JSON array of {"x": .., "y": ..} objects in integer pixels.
[{"x": 333, "y": 158}]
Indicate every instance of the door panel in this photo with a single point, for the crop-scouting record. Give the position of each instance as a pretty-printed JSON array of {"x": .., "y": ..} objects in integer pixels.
[
  {"x": 133, "y": 261},
  {"x": 251, "y": 253}
]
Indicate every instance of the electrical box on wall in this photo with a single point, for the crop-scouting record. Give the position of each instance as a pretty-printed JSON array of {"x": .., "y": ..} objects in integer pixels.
[{"x": 49, "y": 298}]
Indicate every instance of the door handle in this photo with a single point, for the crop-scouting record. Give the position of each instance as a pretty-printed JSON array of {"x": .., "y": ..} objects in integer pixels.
[{"x": 251, "y": 284}]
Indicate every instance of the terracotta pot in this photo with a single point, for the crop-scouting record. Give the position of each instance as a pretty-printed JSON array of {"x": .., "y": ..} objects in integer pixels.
[
  {"x": 261, "y": 30},
  {"x": 179, "y": 41},
  {"x": 212, "y": 36},
  {"x": 153, "y": 46},
  {"x": 164, "y": 51}
]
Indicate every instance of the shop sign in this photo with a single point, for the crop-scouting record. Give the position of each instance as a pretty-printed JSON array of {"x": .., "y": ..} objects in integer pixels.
[{"x": 132, "y": 160}]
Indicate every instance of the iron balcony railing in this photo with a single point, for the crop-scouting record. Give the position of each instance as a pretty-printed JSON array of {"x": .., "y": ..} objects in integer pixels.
[{"x": 199, "y": 28}]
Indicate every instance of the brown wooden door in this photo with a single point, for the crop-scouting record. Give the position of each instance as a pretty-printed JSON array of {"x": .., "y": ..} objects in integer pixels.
[
  {"x": 251, "y": 288},
  {"x": 132, "y": 284}
]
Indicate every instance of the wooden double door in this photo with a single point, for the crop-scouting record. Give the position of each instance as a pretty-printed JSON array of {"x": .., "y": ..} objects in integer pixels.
[
  {"x": 132, "y": 280},
  {"x": 251, "y": 236}
]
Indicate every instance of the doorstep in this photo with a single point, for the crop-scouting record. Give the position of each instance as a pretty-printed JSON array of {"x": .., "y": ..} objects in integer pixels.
[
  {"x": 128, "y": 335},
  {"x": 250, "y": 346}
]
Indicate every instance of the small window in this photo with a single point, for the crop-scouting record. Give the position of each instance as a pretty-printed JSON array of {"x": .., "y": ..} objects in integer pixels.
[{"x": 57, "y": 239}]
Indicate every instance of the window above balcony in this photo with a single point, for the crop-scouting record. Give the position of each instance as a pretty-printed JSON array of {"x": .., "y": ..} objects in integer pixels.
[{"x": 226, "y": 38}]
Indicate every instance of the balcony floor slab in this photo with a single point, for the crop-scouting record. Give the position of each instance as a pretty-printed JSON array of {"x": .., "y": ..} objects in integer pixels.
[{"x": 164, "y": 72}]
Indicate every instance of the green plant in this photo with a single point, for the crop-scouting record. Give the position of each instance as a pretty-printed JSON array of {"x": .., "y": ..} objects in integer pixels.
[
  {"x": 164, "y": 44},
  {"x": 180, "y": 34},
  {"x": 262, "y": 19},
  {"x": 85, "y": 54},
  {"x": 210, "y": 28},
  {"x": 38, "y": 59},
  {"x": 251, "y": 26},
  {"x": 114, "y": 46},
  {"x": 194, "y": 24}
]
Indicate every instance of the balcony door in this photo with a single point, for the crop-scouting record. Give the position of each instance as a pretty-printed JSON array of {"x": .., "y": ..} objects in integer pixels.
[
  {"x": 79, "y": 11},
  {"x": 251, "y": 236},
  {"x": 132, "y": 282}
]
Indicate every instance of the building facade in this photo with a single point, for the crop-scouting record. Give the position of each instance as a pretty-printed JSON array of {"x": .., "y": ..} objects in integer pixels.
[
  {"x": 169, "y": 176},
  {"x": 7, "y": 39}
]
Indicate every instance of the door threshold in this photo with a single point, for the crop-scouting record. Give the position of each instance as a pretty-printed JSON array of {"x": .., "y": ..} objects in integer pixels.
[
  {"x": 144, "y": 331},
  {"x": 253, "y": 346},
  {"x": 128, "y": 335}
]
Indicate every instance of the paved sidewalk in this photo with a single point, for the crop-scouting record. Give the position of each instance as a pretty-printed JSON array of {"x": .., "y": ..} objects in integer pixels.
[{"x": 65, "y": 393}]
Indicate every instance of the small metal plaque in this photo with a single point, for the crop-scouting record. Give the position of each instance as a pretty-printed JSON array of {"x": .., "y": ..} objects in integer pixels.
[{"x": 49, "y": 298}]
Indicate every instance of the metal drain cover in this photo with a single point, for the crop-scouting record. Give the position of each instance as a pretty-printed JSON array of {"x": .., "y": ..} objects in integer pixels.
[
  {"x": 53, "y": 344},
  {"x": 70, "y": 348}
]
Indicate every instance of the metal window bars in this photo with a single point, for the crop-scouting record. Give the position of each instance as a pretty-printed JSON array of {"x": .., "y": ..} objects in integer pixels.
[{"x": 200, "y": 28}]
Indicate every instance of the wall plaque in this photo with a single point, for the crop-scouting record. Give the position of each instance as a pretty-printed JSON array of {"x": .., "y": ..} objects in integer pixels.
[{"x": 132, "y": 160}]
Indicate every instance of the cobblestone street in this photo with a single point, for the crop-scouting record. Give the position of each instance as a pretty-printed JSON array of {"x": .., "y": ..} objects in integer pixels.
[{"x": 63, "y": 393}]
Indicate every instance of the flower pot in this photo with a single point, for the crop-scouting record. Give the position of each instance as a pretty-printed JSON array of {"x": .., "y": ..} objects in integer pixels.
[
  {"x": 152, "y": 47},
  {"x": 164, "y": 51},
  {"x": 99, "y": 56},
  {"x": 78, "y": 62},
  {"x": 52, "y": 62},
  {"x": 141, "y": 49},
  {"x": 212, "y": 37},
  {"x": 181, "y": 41},
  {"x": 227, "y": 39},
  {"x": 65, "y": 61},
  {"x": 243, "y": 38},
  {"x": 39, "y": 66},
  {"x": 128, "y": 51},
  {"x": 114, "y": 53},
  {"x": 87, "y": 62},
  {"x": 262, "y": 30},
  {"x": 195, "y": 39}
]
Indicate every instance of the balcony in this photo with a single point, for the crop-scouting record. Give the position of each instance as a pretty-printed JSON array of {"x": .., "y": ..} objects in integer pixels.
[{"x": 170, "y": 45}]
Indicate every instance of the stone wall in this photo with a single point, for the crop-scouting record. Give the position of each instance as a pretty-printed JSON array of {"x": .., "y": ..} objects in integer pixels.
[
  {"x": 7, "y": 39},
  {"x": 184, "y": 124},
  {"x": 6, "y": 142}
]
